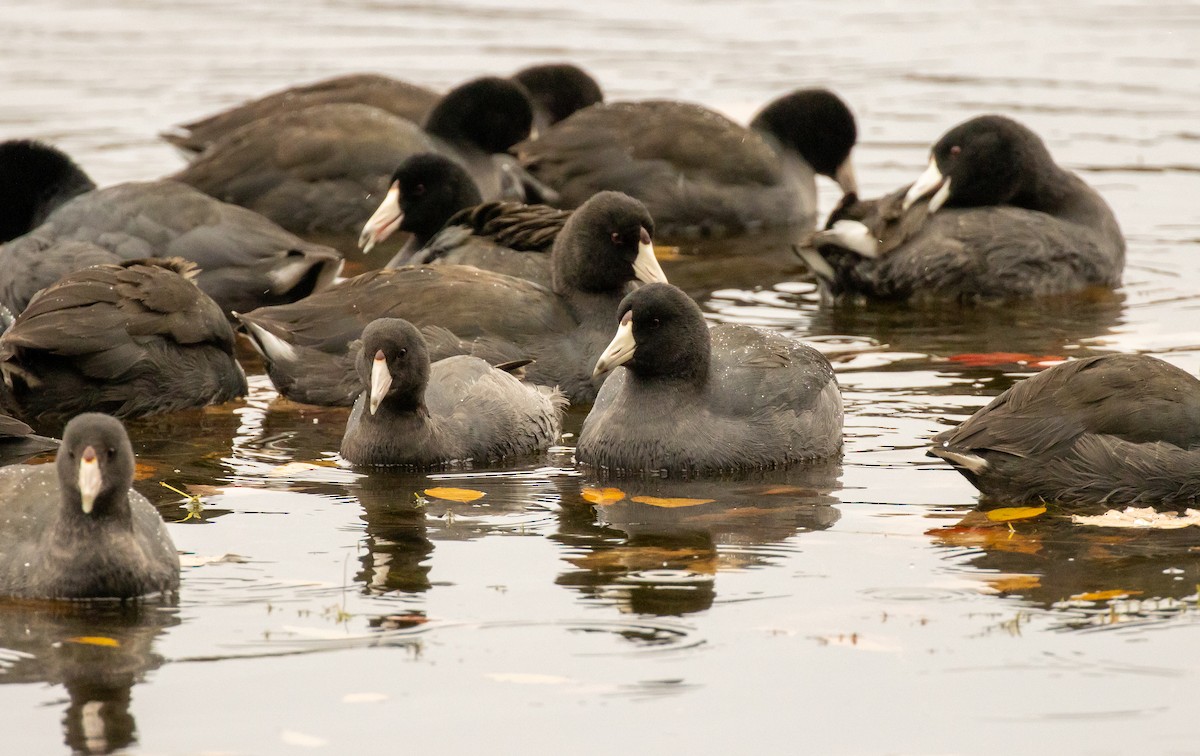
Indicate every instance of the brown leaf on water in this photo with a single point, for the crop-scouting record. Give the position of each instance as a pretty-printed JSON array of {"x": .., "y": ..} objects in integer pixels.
[
  {"x": 992, "y": 538},
  {"x": 1104, "y": 595},
  {"x": 95, "y": 640},
  {"x": 635, "y": 558},
  {"x": 1015, "y": 583},
  {"x": 1008, "y": 514},
  {"x": 462, "y": 495},
  {"x": 670, "y": 503},
  {"x": 665, "y": 253},
  {"x": 602, "y": 496},
  {"x": 144, "y": 471}
]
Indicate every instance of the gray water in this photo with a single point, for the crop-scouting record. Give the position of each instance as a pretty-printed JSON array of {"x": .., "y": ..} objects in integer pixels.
[{"x": 865, "y": 611}]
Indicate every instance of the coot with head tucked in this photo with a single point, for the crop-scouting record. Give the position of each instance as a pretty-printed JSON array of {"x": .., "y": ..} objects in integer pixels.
[
  {"x": 698, "y": 172},
  {"x": 130, "y": 339},
  {"x": 245, "y": 260},
  {"x": 1116, "y": 429}
]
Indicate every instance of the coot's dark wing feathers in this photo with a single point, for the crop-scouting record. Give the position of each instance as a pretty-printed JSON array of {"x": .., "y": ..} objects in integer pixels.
[
  {"x": 332, "y": 158},
  {"x": 131, "y": 339},
  {"x": 1129, "y": 397},
  {"x": 32, "y": 262},
  {"x": 525, "y": 228},
  {"x": 399, "y": 98},
  {"x": 694, "y": 141}
]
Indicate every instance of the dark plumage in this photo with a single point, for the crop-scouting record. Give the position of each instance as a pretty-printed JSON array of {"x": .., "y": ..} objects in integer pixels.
[
  {"x": 993, "y": 217},
  {"x": 408, "y": 101},
  {"x": 245, "y": 260},
  {"x": 556, "y": 90},
  {"x": 132, "y": 339},
  {"x": 697, "y": 171},
  {"x": 460, "y": 409},
  {"x": 694, "y": 400},
  {"x": 18, "y": 441},
  {"x": 1117, "y": 429},
  {"x": 75, "y": 530},
  {"x": 603, "y": 247},
  {"x": 318, "y": 168},
  {"x": 435, "y": 200}
]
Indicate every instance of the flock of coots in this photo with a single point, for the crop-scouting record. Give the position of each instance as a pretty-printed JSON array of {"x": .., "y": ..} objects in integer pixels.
[{"x": 528, "y": 281}]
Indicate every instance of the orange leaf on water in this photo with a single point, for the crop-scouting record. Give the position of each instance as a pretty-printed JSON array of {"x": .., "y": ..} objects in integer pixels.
[
  {"x": 1008, "y": 514},
  {"x": 656, "y": 501},
  {"x": 464, "y": 495},
  {"x": 95, "y": 640},
  {"x": 602, "y": 496},
  {"x": 1104, "y": 595}
]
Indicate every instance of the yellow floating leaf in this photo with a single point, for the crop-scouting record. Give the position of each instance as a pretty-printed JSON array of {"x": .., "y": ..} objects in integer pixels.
[
  {"x": 464, "y": 495},
  {"x": 1008, "y": 514},
  {"x": 1103, "y": 595},
  {"x": 602, "y": 496},
  {"x": 95, "y": 640},
  {"x": 655, "y": 501}
]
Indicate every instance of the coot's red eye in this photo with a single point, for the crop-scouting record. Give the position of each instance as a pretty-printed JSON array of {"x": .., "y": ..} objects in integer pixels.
[
  {"x": 616, "y": 237},
  {"x": 419, "y": 189},
  {"x": 955, "y": 150}
]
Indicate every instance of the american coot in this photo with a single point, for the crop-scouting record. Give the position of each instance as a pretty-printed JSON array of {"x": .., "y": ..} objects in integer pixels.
[
  {"x": 75, "y": 530},
  {"x": 317, "y": 169},
  {"x": 1116, "y": 429},
  {"x": 695, "y": 400},
  {"x": 557, "y": 90},
  {"x": 435, "y": 200},
  {"x": 245, "y": 260},
  {"x": 460, "y": 409},
  {"x": 18, "y": 441},
  {"x": 992, "y": 217},
  {"x": 698, "y": 172},
  {"x": 131, "y": 339},
  {"x": 460, "y": 309}
]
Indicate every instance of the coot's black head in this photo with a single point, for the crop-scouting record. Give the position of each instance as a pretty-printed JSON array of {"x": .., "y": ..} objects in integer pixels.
[
  {"x": 424, "y": 192},
  {"x": 558, "y": 90},
  {"x": 95, "y": 466},
  {"x": 817, "y": 124},
  {"x": 393, "y": 365},
  {"x": 661, "y": 334},
  {"x": 988, "y": 160},
  {"x": 490, "y": 113},
  {"x": 35, "y": 179},
  {"x": 607, "y": 242}
]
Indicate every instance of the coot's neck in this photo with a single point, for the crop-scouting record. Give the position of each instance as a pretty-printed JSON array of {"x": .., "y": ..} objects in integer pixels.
[
  {"x": 109, "y": 511},
  {"x": 1061, "y": 193}
]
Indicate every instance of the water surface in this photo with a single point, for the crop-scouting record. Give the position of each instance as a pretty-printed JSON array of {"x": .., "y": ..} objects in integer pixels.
[{"x": 864, "y": 609}]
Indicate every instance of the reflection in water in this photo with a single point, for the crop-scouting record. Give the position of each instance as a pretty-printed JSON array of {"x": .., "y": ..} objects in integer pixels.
[
  {"x": 405, "y": 513},
  {"x": 1091, "y": 576},
  {"x": 1048, "y": 326},
  {"x": 97, "y": 651},
  {"x": 655, "y": 546}
]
